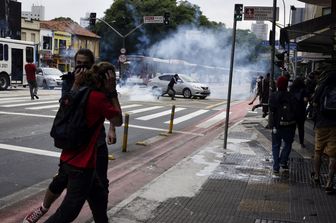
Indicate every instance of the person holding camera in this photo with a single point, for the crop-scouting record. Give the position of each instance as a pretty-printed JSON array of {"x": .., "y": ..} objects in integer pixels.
[{"x": 84, "y": 60}]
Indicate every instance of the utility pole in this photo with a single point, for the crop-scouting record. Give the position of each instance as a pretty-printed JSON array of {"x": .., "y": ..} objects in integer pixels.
[{"x": 238, "y": 11}]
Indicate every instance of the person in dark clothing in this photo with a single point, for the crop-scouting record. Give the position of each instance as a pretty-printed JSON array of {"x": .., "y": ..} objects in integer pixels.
[
  {"x": 283, "y": 126},
  {"x": 84, "y": 59},
  {"x": 265, "y": 94},
  {"x": 170, "y": 87},
  {"x": 325, "y": 123},
  {"x": 258, "y": 91},
  {"x": 310, "y": 82},
  {"x": 298, "y": 89}
]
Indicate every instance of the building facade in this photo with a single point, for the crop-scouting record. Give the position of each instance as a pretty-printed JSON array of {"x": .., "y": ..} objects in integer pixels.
[
  {"x": 260, "y": 29},
  {"x": 37, "y": 13}
]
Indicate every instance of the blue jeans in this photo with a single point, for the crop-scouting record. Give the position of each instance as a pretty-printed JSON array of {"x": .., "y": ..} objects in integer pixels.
[{"x": 285, "y": 134}]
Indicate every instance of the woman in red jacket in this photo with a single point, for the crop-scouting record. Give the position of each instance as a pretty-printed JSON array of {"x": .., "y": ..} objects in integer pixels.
[{"x": 78, "y": 166}]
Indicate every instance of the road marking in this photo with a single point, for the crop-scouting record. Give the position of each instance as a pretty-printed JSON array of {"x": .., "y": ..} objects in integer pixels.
[
  {"x": 43, "y": 107},
  {"x": 106, "y": 122},
  {"x": 156, "y": 115},
  {"x": 16, "y": 100},
  {"x": 27, "y": 114},
  {"x": 30, "y": 150},
  {"x": 215, "y": 105},
  {"x": 130, "y": 106},
  {"x": 187, "y": 117},
  {"x": 25, "y": 104},
  {"x": 144, "y": 109},
  {"x": 213, "y": 120}
]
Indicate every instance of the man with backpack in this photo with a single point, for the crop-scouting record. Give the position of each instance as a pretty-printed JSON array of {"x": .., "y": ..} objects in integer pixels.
[
  {"x": 324, "y": 102},
  {"x": 84, "y": 59},
  {"x": 283, "y": 124}
]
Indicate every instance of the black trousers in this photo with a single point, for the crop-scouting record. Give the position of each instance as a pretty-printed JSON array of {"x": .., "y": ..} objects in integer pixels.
[
  {"x": 60, "y": 182},
  {"x": 82, "y": 185},
  {"x": 170, "y": 89}
]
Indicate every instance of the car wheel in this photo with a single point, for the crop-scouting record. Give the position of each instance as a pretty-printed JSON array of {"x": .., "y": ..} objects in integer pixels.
[
  {"x": 45, "y": 85},
  {"x": 187, "y": 93}
]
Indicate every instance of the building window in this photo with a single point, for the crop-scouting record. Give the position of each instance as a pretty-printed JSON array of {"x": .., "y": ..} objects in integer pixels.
[
  {"x": 23, "y": 36},
  {"x": 29, "y": 54},
  {"x": 56, "y": 44},
  {"x": 62, "y": 44},
  {"x": 47, "y": 42},
  {"x": 326, "y": 11},
  {"x": 32, "y": 37}
]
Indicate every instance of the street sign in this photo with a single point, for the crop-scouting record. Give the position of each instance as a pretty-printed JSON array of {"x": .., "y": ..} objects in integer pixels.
[
  {"x": 122, "y": 50},
  {"x": 122, "y": 58},
  {"x": 292, "y": 45},
  {"x": 260, "y": 13},
  {"x": 153, "y": 19}
]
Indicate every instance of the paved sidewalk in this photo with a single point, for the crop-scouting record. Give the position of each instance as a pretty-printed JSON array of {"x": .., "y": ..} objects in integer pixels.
[{"x": 236, "y": 187}]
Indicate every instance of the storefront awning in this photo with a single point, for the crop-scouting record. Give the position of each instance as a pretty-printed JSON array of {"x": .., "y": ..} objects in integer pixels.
[{"x": 322, "y": 43}]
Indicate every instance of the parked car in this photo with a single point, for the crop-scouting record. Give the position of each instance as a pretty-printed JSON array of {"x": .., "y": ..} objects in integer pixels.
[
  {"x": 48, "y": 78},
  {"x": 186, "y": 86}
]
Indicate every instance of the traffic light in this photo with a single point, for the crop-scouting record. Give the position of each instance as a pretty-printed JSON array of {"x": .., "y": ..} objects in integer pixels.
[
  {"x": 238, "y": 12},
  {"x": 93, "y": 18},
  {"x": 284, "y": 38},
  {"x": 166, "y": 18},
  {"x": 281, "y": 59}
]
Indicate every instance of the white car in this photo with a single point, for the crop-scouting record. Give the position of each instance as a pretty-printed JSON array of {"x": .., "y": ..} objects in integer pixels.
[
  {"x": 186, "y": 85},
  {"x": 48, "y": 78}
]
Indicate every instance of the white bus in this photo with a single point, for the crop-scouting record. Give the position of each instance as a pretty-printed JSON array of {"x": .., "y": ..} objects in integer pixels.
[{"x": 14, "y": 55}]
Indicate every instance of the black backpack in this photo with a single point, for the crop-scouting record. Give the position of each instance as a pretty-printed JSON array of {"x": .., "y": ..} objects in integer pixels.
[
  {"x": 70, "y": 130},
  {"x": 287, "y": 111},
  {"x": 328, "y": 100}
]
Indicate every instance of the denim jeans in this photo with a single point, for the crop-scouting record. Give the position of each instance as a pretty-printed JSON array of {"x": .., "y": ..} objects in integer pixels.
[
  {"x": 285, "y": 134},
  {"x": 82, "y": 185}
]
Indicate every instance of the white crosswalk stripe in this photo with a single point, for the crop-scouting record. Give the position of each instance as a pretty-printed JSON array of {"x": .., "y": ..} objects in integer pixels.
[
  {"x": 43, "y": 107},
  {"x": 144, "y": 109},
  {"x": 25, "y": 104},
  {"x": 129, "y": 106},
  {"x": 160, "y": 114},
  {"x": 213, "y": 120},
  {"x": 188, "y": 116}
]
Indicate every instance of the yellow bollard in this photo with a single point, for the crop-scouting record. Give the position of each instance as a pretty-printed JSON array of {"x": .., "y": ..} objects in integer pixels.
[
  {"x": 124, "y": 145},
  {"x": 171, "y": 120}
]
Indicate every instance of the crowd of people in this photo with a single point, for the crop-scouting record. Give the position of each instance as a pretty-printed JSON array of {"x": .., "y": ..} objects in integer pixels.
[{"x": 289, "y": 106}]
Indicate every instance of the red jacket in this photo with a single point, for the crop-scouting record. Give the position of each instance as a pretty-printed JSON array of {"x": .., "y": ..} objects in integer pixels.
[
  {"x": 30, "y": 72},
  {"x": 98, "y": 108}
]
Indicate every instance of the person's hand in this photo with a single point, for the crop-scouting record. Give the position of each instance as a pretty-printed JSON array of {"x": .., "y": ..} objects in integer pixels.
[
  {"x": 78, "y": 72},
  {"x": 110, "y": 83},
  {"x": 111, "y": 136}
]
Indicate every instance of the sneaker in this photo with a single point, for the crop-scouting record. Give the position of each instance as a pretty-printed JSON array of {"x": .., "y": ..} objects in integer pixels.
[
  {"x": 37, "y": 97},
  {"x": 276, "y": 172},
  {"x": 35, "y": 215},
  {"x": 315, "y": 179}
]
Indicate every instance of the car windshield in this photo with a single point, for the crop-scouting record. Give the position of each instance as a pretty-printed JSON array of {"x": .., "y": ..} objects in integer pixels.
[
  {"x": 52, "y": 71},
  {"x": 188, "y": 79}
]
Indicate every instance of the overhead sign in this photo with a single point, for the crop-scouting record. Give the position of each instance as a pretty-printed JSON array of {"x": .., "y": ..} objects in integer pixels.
[
  {"x": 260, "y": 13},
  {"x": 153, "y": 19}
]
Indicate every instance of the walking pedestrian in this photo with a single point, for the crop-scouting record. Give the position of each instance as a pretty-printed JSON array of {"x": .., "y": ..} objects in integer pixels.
[
  {"x": 258, "y": 92},
  {"x": 283, "y": 122},
  {"x": 84, "y": 59},
  {"x": 324, "y": 101},
  {"x": 298, "y": 89},
  {"x": 30, "y": 69}
]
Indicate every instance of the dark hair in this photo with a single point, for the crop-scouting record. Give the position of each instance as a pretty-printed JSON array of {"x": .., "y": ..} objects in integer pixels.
[
  {"x": 86, "y": 52},
  {"x": 95, "y": 77}
]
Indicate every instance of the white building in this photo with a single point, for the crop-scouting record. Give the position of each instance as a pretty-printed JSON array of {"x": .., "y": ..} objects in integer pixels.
[
  {"x": 260, "y": 29},
  {"x": 36, "y": 13}
]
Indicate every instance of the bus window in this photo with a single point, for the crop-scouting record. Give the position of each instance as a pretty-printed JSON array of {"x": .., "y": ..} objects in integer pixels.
[
  {"x": 1, "y": 51},
  {"x": 6, "y": 52},
  {"x": 29, "y": 54}
]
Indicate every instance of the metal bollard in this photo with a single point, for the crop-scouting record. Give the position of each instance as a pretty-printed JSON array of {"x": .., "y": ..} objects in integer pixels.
[
  {"x": 171, "y": 120},
  {"x": 124, "y": 145}
]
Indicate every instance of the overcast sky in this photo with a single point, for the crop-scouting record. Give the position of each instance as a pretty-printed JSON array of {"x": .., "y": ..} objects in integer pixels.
[{"x": 215, "y": 10}]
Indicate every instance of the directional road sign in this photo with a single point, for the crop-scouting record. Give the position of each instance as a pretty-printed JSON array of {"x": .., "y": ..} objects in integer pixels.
[
  {"x": 153, "y": 19},
  {"x": 260, "y": 13}
]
